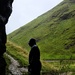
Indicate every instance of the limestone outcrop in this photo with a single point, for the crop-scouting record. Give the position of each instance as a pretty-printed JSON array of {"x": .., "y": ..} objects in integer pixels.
[{"x": 5, "y": 12}]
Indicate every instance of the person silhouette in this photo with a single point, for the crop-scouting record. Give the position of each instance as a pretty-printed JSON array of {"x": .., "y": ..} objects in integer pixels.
[
  {"x": 5, "y": 12},
  {"x": 34, "y": 67}
]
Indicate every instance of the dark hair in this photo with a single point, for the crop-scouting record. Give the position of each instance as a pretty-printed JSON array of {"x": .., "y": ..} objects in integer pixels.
[{"x": 32, "y": 42}]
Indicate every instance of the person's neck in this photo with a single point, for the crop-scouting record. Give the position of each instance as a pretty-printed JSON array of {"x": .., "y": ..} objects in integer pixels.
[{"x": 34, "y": 45}]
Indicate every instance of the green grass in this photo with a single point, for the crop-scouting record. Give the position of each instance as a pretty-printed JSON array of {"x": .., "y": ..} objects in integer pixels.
[
  {"x": 54, "y": 32},
  {"x": 18, "y": 53},
  {"x": 21, "y": 55},
  {"x": 55, "y": 35}
]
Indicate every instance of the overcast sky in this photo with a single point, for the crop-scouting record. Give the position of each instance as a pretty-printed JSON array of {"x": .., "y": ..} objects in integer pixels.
[{"x": 26, "y": 10}]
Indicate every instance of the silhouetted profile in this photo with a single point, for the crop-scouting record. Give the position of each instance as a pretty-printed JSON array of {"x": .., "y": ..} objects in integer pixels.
[
  {"x": 34, "y": 58},
  {"x": 5, "y": 12}
]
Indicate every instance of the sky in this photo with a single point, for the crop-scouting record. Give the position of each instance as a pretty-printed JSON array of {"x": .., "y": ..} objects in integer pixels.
[{"x": 25, "y": 11}]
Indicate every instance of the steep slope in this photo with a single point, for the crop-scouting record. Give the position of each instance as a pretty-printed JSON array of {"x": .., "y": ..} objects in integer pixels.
[{"x": 53, "y": 30}]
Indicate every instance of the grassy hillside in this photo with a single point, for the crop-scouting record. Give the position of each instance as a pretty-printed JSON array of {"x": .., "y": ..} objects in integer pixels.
[
  {"x": 18, "y": 53},
  {"x": 54, "y": 67},
  {"x": 53, "y": 30},
  {"x": 21, "y": 55}
]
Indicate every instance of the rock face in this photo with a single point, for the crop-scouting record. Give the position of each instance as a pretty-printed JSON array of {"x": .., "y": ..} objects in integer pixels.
[
  {"x": 5, "y": 12},
  {"x": 15, "y": 68}
]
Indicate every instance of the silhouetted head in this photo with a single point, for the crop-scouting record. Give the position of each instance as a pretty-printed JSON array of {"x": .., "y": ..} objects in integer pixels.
[{"x": 32, "y": 42}]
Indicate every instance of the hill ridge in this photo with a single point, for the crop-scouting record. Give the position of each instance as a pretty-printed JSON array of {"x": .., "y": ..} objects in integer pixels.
[{"x": 54, "y": 32}]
